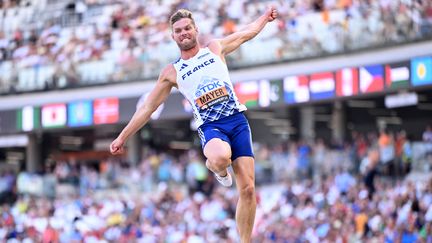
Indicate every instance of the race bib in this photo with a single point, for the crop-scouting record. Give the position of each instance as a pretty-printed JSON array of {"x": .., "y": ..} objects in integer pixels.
[{"x": 210, "y": 93}]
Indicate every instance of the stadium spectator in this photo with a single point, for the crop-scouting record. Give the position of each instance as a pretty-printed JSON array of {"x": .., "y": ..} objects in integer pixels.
[
  {"x": 427, "y": 134},
  {"x": 370, "y": 170},
  {"x": 315, "y": 212},
  {"x": 126, "y": 37}
]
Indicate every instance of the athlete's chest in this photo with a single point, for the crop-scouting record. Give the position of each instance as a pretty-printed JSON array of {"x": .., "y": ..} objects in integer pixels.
[
  {"x": 200, "y": 72},
  {"x": 192, "y": 69}
]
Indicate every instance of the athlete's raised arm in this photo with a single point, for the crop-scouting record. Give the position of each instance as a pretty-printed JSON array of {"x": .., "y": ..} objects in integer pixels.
[
  {"x": 233, "y": 41},
  {"x": 157, "y": 96}
]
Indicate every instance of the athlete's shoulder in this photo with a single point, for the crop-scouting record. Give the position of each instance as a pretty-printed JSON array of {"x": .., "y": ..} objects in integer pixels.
[
  {"x": 215, "y": 46},
  {"x": 168, "y": 73}
]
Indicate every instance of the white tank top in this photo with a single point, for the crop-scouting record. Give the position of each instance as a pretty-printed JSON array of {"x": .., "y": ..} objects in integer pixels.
[{"x": 204, "y": 81}]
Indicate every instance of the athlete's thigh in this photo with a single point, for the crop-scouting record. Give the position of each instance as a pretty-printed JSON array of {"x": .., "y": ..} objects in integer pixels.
[
  {"x": 244, "y": 170},
  {"x": 216, "y": 148},
  {"x": 241, "y": 141}
]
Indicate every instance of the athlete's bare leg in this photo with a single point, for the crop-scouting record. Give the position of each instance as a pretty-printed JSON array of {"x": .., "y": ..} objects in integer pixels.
[
  {"x": 244, "y": 170},
  {"x": 218, "y": 154}
]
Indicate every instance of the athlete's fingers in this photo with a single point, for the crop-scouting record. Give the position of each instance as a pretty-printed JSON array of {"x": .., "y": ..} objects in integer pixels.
[
  {"x": 117, "y": 151},
  {"x": 114, "y": 148},
  {"x": 272, "y": 13}
]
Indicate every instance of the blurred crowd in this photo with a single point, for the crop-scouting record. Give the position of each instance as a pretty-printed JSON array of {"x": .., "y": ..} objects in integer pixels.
[
  {"x": 320, "y": 192},
  {"x": 338, "y": 209},
  {"x": 131, "y": 39}
]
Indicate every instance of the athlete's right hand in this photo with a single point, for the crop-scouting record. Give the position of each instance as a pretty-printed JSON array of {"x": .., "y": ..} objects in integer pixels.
[
  {"x": 271, "y": 13},
  {"x": 116, "y": 146}
]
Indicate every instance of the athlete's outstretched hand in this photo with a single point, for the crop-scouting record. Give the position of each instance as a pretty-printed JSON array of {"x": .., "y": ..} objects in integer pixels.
[
  {"x": 116, "y": 146},
  {"x": 271, "y": 13}
]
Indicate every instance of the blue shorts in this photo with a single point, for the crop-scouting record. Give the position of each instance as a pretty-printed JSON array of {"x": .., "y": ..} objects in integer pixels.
[{"x": 232, "y": 129}]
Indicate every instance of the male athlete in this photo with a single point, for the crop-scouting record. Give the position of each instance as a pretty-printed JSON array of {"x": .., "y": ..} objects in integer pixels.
[{"x": 201, "y": 75}]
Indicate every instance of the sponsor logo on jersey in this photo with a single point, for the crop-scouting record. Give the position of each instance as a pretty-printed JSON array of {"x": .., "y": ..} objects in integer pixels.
[
  {"x": 211, "y": 92},
  {"x": 183, "y": 66},
  {"x": 198, "y": 67}
]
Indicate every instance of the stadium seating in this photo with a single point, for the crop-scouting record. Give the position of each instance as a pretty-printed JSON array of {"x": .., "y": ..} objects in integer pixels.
[{"x": 95, "y": 33}]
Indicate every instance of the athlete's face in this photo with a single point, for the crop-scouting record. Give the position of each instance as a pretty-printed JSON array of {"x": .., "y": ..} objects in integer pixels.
[{"x": 184, "y": 33}]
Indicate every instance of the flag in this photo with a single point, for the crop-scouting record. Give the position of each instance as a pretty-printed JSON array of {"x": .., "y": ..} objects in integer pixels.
[
  {"x": 347, "y": 82},
  {"x": 296, "y": 89},
  {"x": 276, "y": 92},
  {"x": 80, "y": 114},
  {"x": 322, "y": 86},
  {"x": 270, "y": 93},
  {"x": 54, "y": 115},
  {"x": 421, "y": 69},
  {"x": 397, "y": 75},
  {"x": 264, "y": 93},
  {"x": 247, "y": 93},
  {"x": 371, "y": 79},
  {"x": 28, "y": 118},
  {"x": 106, "y": 111}
]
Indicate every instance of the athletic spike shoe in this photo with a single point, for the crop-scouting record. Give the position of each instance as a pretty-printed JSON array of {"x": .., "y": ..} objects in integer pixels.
[{"x": 226, "y": 181}]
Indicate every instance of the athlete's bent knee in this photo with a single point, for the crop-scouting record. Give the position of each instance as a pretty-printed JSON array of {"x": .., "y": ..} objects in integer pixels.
[{"x": 220, "y": 162}]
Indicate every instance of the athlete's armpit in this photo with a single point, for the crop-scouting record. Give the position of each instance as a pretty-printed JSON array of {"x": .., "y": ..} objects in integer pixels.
[
  {"x": 168, "y": 74},
  {"x": 164, "y": 84}
]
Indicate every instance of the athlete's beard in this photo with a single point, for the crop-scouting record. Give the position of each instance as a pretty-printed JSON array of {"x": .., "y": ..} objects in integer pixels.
[{"x": 188, "y": 45}]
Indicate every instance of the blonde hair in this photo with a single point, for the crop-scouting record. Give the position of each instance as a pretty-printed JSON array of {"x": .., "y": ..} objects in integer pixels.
[{"x": 180, "y": 14}]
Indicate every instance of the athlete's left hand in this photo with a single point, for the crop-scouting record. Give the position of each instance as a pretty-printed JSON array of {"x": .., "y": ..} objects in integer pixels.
[{"x": 271, "y": 13}]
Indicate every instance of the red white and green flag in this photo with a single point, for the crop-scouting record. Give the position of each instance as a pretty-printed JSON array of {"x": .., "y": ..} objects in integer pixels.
[{"x": 247, "y": 93}]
